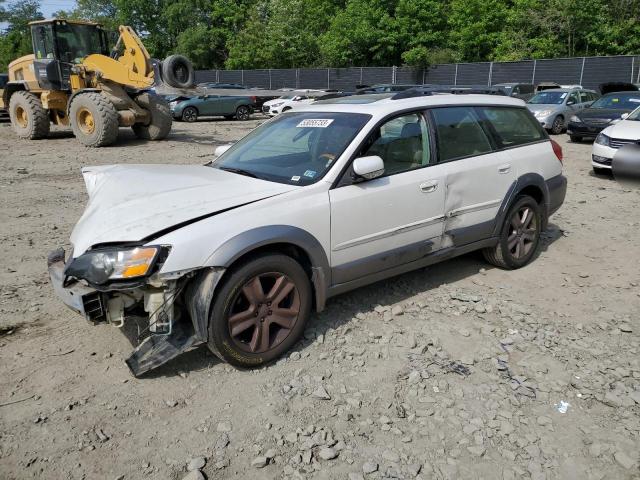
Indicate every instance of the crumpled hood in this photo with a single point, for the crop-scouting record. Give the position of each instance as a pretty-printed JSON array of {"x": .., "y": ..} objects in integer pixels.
[
  {"x": 129, "y": 203},
  {"x": 626, "y": 130}
]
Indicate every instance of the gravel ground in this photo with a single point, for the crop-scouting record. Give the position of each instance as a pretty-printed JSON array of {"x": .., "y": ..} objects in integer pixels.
[{"x": 457, "y": 371}]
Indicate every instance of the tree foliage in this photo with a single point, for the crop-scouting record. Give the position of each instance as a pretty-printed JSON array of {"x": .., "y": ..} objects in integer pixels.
[{"x": 338, "y": 33}]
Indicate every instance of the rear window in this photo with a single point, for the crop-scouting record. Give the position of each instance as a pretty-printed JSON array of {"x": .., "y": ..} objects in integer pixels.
[{"x": 514, "y": 126}]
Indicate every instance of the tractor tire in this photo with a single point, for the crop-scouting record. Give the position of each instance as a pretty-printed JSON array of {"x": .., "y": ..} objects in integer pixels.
[
  {"x": 177, "y": 71},
  {"x": 161, "y": 119},
  {"x": 29, "y": 119},
  {"x": 94, "y": 119}
]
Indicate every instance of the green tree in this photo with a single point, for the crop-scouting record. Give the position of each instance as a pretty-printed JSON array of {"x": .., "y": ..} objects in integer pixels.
[{"x": 15, "y": 41}]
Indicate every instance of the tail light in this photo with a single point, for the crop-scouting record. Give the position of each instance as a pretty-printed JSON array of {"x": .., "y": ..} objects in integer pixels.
[
  {"x": 557, "y": 149},
  {"x": 254, "y": 99}
]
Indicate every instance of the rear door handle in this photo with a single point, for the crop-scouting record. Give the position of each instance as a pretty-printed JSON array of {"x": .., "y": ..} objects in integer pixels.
[
  {"x": 504, "y": 168},
  {"x": 428, "y": 187}
]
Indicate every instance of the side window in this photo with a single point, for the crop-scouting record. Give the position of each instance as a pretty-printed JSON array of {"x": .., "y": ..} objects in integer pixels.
[
  {"x": 516, "y": 90},
  {"x": 573, "y": 98},
  {"x": 43, "y": 42},
  {"x": 514, "y": 126},
  {"x": 459, "y": 133},
  {"x": 585, "y": 97},
  {"x": 402, "y": 143}
]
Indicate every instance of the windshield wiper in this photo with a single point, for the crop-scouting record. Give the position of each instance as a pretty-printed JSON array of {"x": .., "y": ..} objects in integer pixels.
[{"x": 239, "y": 171}]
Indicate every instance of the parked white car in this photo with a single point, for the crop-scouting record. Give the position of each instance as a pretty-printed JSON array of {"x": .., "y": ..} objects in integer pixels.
[
  {"x": 289, "y": 101},
  {"x": 237, "y": 253},
  {"x": 614, "y": 137}
]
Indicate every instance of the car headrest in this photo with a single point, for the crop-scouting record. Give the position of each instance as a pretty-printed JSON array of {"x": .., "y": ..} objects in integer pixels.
[{"x": 410, "y": 130}]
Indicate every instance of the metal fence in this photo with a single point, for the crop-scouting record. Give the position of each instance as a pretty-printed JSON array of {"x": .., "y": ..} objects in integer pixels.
[{"x": 589, "y": 72}]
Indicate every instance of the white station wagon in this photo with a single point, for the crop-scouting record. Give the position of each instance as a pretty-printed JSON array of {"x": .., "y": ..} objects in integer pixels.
[{"x": 313, "y": 203}]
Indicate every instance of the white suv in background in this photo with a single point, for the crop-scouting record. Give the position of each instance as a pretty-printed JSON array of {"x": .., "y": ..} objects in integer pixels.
[
  {"x": 290, "y": 100},
  {"x": 316, "y": 202},
  {"x": 614, "y": 137}
]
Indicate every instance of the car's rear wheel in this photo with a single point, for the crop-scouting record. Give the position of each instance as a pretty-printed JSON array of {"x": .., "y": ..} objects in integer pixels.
[
  {"x": 243, "y": 112},
  {"x": 558, "y": 125},
  {"x": 519, "y": 236},
  {"x": 260, "y": 311},
  {"x": 190, "y": 114},
  {"x": 575, "y": 138}
]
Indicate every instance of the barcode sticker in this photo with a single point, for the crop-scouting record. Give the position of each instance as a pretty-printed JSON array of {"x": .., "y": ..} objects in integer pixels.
[{"x": 315, "y": 123}]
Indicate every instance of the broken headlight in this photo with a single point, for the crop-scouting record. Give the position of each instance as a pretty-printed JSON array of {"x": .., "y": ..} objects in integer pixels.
[{"x": 100, "y": 266}]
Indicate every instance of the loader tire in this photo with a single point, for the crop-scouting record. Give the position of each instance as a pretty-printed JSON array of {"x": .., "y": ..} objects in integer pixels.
[
  {"x": 160, "y": 118},
  {"x": 28, "y": 117},
  {"x": 177, "y": 71},
  {"x": 94, "y": 119}
]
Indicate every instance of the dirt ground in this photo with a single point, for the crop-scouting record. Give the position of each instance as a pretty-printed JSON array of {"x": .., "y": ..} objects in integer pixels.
[{"x": 457, "y": 371}]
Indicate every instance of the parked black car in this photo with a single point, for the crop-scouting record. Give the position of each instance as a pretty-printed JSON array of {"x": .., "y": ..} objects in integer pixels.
[
  {"x": 608, "y": 109},
  {"x": 4, "y": 78},
  {"x": 523, "y": 91}
]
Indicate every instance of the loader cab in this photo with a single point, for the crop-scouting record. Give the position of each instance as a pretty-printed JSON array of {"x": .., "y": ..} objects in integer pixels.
[{"x": 58, "y": 45}]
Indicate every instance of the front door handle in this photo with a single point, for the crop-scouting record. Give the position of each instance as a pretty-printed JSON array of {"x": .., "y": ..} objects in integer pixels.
[
  {"x": 504, "y": 168},
  {"x": 428, "y": 187}
]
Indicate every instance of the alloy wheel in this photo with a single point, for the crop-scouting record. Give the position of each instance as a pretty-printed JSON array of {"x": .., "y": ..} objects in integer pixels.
[
  {"x": 264, "y": 312},
  {"x": 522, "y": 232}
]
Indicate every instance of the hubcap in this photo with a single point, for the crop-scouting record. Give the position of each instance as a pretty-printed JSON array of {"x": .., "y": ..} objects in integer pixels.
[
  {"x": 21, "y": 116},
  {"x": 522, "y": 234},
  {"x": 84, "y": 119},
  {"x": 264, "y": 312},
  {"x": 190, "y": 115}
]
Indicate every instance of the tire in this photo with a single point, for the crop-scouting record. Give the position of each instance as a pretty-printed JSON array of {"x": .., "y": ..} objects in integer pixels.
[
  {"x": 189, "y": 114},
  {"x": 161, "y": 119},
  {"x": 245, "y": 349},
  {"x": 503, "y": 254},
  {"x": 29, "y": 119},
  {"x": 557, "y": 127},
  {"x": 94, "y": 119},
  {"x": 177, "y": 71},
  {"x": 243, "y": 112},
  {"x": 575, "y": 138}
]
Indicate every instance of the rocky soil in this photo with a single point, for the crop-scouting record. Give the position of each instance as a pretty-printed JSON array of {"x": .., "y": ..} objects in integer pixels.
[{"x": 457, "y": 371}]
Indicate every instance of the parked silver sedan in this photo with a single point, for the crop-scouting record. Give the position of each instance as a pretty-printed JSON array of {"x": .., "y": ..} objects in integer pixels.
[{"x": 553, "y": 108}]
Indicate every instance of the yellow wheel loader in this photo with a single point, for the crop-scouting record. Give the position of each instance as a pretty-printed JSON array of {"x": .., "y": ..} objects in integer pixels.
[{"x": 73, "y": 79}]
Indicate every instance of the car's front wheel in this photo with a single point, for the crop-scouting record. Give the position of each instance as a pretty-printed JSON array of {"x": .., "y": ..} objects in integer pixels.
[
  {"x": 519, "y": 236},
  {"x": 558, "y": 125},
  {"x": 260, "y": 310},
  {"x": 190, "y": 114}
]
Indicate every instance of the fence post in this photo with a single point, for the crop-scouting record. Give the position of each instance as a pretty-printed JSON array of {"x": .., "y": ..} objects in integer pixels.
[
  {"x": 424, "y": 72},
  {"x": 633, "y": 62},
  {"x": 533, "y": 77},
  {"x": 362, "y": 69},
  {"x": 217, "y": 76},
  {"x": 455, "y": 78},
  {"x": 242, "y": 76},
  {"x": 270, "y": 86},
  {"x": 582, "y": 70},
  {"x": 490, "y": 74}
]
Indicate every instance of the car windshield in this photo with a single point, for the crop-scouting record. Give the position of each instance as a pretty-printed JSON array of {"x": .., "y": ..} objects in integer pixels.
[
  {"x": 296, "y": 148},
  {"x": 618, "y": 101},
  {"x": 548, "y": 98},
  {"x": 635, "y": 115}
]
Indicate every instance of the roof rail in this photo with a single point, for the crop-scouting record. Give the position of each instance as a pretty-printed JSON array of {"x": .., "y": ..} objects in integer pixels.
[{"x": 451, "y": 89}]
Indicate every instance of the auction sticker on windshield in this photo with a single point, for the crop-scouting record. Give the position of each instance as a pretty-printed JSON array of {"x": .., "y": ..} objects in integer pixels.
[{"x": 315, "y": 123}]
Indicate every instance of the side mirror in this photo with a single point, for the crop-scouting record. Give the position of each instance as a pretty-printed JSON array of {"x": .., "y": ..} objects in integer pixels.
[
  {"x": 624, "y": 116},
  {"x": 570, "y": 102},
  {"x": 368, "y": 167},
  {"x": 220, "y": 150}
]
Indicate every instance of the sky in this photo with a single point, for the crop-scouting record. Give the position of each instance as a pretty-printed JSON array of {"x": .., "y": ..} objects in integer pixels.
[{"x": 49, "y": 6}]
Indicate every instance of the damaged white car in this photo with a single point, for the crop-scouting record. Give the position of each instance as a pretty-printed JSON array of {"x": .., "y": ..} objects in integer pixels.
[{"x": 238, "y": 253}]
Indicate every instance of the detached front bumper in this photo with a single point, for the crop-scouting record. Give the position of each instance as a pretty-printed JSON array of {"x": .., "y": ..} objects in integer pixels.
[{"x": 81, "y": 299}]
